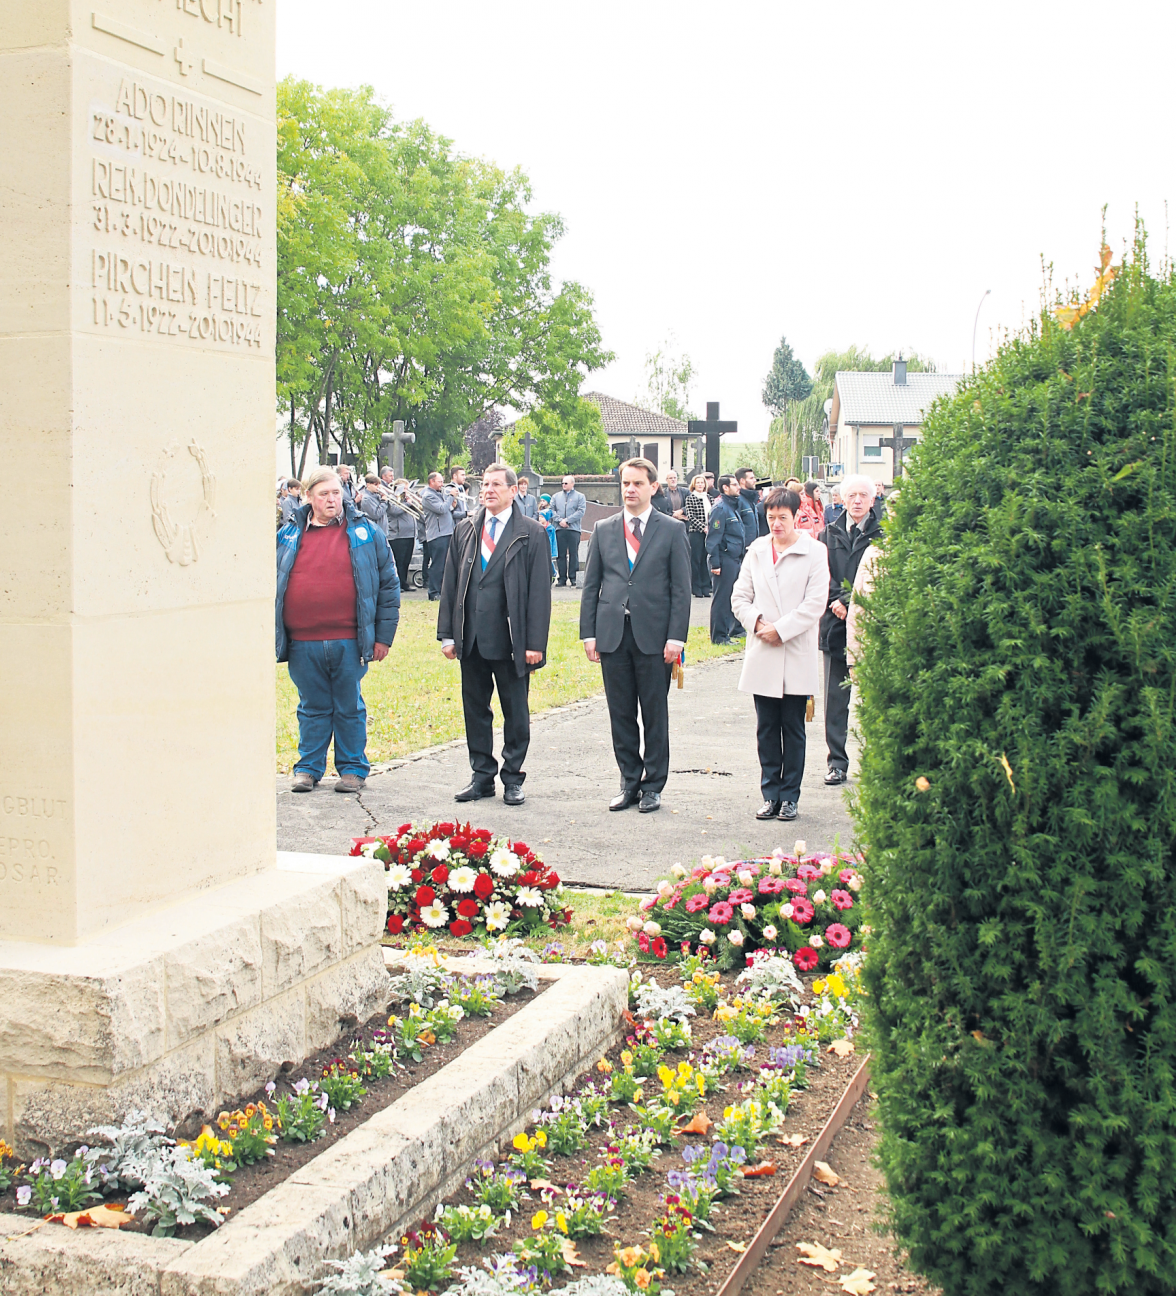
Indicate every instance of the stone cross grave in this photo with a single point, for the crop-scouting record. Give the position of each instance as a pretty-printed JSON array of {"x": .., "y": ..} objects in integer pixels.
[
  {"x": 899, "y": 444},
  {"x": 398, "y": 440},
  {"x": 533, "y": 478},
  {"x": 712, "y": 427}
]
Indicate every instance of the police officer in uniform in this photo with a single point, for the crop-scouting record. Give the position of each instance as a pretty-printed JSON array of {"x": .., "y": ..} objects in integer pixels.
[{"x": 725, "y": 547}]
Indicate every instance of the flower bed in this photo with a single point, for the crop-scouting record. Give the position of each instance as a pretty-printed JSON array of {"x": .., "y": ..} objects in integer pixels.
[
  {"x": 801, "y": 905},
  {"x": 667, "y": 1158},
  {"x": 454, "y": 876}
]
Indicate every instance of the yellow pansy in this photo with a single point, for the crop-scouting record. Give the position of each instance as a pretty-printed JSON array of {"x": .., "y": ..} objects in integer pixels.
[
  {"x": 521, "y": 1143},
  {"x": 538, "y": 1219},
  {"x": 630, "y": 1256},
  {"x": 561, "y": 1222},
  {"x": 665, "y": 1075},
  {"x": 540, "y": 1139}
]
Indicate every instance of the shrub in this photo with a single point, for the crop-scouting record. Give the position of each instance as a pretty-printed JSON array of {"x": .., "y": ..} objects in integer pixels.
[{"x": 1018, "y": 804}]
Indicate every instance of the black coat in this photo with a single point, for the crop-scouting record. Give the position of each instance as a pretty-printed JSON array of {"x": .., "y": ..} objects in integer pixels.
[
  {"x": 656, "y": 591},
  {"x": 526, "y": 576},
  {"x": 844, "y": 558}
]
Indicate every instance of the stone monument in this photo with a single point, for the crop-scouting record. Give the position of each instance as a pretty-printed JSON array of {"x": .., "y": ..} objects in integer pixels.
[{"x": 152, "y": 952}]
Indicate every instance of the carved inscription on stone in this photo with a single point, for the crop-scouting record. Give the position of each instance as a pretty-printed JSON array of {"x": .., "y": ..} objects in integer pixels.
[
  {"x": 179, "y": 210},
  {"x": 31, "y": 827}
]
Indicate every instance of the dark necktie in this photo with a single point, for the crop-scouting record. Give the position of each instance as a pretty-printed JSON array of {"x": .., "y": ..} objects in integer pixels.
[{"x": 636, "y": 529}]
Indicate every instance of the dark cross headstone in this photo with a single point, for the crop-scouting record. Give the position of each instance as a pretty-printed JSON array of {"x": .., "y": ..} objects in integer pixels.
[
  {"x": 898, "y": 443},
  {"x": 528, "y": 472},
  {"x": 634, "y": 448},
  {"x": 398, "y": 440},
  {"x": 712, "y": 427}
]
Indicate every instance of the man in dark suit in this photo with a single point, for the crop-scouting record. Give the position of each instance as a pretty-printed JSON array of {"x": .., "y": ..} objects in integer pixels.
[
  {"x": 494, "y": 616},
  {"x": 634, "y": 619}
]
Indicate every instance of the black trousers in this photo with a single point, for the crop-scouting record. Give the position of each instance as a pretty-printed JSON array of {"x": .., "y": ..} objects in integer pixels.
[
  {"x": 479, "y": 678},
  {"x": 700, "y": 577},
  {"x": 722, "y": 620},
  {"x": 402, "y": 556},
  {"x": 631, "y": 679},
  {"x": 567, "y": 550},
  {"x": 837, "y": 709},
  {"x": 779, "y": 735},
  {"x": 436, "y": 552}
]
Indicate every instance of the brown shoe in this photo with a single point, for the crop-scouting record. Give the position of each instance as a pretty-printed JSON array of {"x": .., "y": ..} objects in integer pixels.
[
  {"x": 350, "y": 783},
  {"x": 303, "y": 783}
]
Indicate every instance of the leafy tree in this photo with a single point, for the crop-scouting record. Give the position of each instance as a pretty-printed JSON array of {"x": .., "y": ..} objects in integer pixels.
[
  {"x": 1018, "y": 809},
  {"x": 413, "y": 283},
  {"x": 479, "y": 440},
  {"x": 787, "y": 380},
  {"x": 561, "y": 443},
  {"x": 668, "y": 376}
]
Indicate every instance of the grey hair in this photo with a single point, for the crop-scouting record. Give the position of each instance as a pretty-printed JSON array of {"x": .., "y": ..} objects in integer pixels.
[
  {"x": 318, "y": 475},
  {"x": 857, "y": 479},
  {"x": 511, "y": 476}
]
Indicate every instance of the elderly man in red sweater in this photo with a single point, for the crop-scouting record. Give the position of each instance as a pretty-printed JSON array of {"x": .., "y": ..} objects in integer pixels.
[{"x": 338, "y": 606}]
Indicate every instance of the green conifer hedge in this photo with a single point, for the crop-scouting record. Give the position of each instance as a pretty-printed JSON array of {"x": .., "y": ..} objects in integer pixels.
[{"x": 1022, "y": 968}]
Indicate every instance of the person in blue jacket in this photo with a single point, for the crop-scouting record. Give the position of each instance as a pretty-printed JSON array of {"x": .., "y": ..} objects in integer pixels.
[
  {"x": 337, "y": 608},
  {"x": 725, "y": 546}
]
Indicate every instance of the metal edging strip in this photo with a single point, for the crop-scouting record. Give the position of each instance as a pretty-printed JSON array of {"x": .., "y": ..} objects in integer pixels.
[{"x": 746, "y": 1264}]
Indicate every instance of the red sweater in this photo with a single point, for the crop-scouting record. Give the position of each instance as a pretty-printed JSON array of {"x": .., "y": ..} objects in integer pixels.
[{"x": 320, "y": 596}]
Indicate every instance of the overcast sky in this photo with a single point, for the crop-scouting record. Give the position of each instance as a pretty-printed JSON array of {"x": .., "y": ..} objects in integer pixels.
[{"x": 835, "y": 173}]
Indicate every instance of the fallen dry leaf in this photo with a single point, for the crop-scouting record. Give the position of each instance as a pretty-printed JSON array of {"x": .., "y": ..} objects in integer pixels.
[
  {"x": 764, "y": 1168},
  {"x": 737, "y": 1246},
  {"x": 793, "y": 1140},
  {"x": 857, "y": 1283},
  {"x": 96, "y": 1217},
  {"x": 842, "y": 1047},
  {"x": 700, "y": 1123},
  {"x": 570, "y": 1254},
  {"x": 824, "y": 1173},
  {"x": 818, "y": 1257},
  {"x": 537, "y": 1185}
]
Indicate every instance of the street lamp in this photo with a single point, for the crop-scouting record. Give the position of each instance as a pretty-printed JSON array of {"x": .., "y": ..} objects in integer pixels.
[{"x": 974, "y": 324}]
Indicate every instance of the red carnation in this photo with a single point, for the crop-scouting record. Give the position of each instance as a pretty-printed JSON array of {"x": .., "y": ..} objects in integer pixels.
[
  {"x": 482, "y": 834},
  {"x": 548, "y": 882},
  {"x": 440, "y": 875},
  {"x": 483, "y": 886},
  {"x": 458, "y": 843},
  {"x": 459, "y": 927},
  {"x": 467, "y": 908},
  {"x": 425, "y": 896},
  {"x": 520, "y": 848},
  {"x": 478, "y": 848},
  {"x": 395, "y": 924},
  {"x": 806, "y": 958},
  {"x": 530, "y": 878},
  {"x": 403, "y": 829},
  {"x": 415, "y": 846},
  {"x": 659, "y": 946}
]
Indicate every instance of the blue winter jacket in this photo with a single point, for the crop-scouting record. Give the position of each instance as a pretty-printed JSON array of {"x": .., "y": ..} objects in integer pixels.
[{"x": 377, "y": 586}]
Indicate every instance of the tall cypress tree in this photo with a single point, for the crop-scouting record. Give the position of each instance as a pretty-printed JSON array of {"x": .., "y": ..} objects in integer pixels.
[{"x": 1017, "y": 803}]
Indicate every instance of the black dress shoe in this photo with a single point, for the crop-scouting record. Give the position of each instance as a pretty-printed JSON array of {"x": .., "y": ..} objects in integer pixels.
[
  {"x": 625, "y": 800},
  {"x": 650, "y": 801},
  {"x": 787, "y": 810},
  {"x": 474, "y": 792},
  {"x": 739, "y": 633},
  {"x": 836, "y": 776},
  {"x": 513, "y": 795},
  {"x": 769, "y": 810}
]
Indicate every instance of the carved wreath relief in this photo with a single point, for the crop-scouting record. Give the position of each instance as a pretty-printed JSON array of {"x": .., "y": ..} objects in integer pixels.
[{"x": 178, "y": 537}]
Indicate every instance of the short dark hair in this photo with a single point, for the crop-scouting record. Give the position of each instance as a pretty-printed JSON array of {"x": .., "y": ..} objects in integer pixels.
[
  {"x": 742, "y": 472},
  {"x": 779, "y": 497},
  {"x": 293, "y": 484},
  {"x": 505, "y": 469},
  {"x": 725, "y": 480},
  {"x": 646, "y": 467}
]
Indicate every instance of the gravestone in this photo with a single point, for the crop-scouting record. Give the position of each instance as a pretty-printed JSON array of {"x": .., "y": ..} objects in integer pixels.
[
  {"x": 712, "y": 427},
  {"x": 150, "y": 951},
  {"x": 533, "y": 478}
]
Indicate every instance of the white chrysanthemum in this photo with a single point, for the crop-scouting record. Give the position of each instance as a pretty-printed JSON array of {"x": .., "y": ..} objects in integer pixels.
[
  {"x": 770, "y": 932},
  {"x": 706, "y": 936},
  {"x": 504, "y": 862},
  {"x": 529, "y": 898},
  {"x": 462, "y": 879},
  {"x": 497, "y": 915},
  {"x": 747, "y": 910},
  {"x": 438, "y": 850},
  {"x": 399, "y": 875},
  {"x": 435, "y": 915},
  {"x": 735, "y": 937},
  {"x": 816, "y": 941},
  {"x": 652, "y": 929}
]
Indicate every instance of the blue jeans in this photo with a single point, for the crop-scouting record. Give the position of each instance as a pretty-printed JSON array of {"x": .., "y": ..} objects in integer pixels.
[{"x": 326, "y": 674}]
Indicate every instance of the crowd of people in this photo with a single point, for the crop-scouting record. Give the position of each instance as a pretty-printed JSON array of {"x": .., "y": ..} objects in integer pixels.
[{"x": 779, "y": 563}]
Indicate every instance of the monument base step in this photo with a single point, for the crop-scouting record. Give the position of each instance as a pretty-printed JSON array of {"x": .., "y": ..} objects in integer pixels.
[{"x": 178, "y": 1013}]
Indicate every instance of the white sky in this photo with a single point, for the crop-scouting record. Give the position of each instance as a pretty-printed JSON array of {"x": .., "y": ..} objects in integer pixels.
[{"x": 835, "y": 172}]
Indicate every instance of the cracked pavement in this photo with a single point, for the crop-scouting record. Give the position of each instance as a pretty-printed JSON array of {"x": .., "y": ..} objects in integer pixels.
[{"x": 708, "y": 806}]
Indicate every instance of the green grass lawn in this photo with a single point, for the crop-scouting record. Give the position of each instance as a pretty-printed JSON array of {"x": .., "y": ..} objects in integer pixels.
[{"x": 414, "y": 695}]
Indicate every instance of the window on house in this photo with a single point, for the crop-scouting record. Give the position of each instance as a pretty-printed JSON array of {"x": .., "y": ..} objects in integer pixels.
[
  {"x": 871, "y": 447},
  {"x": 651, "y": 452}
]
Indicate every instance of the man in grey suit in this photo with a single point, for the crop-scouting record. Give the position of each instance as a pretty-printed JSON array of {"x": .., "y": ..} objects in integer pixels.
[
  {"x": 443, "y": 506},
  {"x": 567, "y": 513},
  {"x": 526, "y": 501},
  {"x": 634, "y": 619}
]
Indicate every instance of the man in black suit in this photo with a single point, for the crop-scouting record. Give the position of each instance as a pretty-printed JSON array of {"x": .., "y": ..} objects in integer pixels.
[
  {"x": 634, "y": 619},
  {"x": 495, "y": 615}
]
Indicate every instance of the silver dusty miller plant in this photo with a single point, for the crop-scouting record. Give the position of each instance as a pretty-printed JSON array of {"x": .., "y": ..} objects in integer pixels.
[
  {"x": 773, "y": 977},
  {"x": 359, "y": 1275},
  {"x": 514, "y": 964},
  {"x": 420, "y": 980},
  {"x": 135, "y": 1146},
  {"x": 663, "y": 1002},
  {"x": 177, "y": 1189}
]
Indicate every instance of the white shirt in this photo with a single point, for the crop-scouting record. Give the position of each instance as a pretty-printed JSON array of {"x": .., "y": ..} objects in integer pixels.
[{"x": 502, "y": 517}]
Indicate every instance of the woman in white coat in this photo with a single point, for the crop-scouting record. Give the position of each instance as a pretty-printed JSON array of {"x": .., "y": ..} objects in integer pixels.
[{"x": 779, "y": 597}]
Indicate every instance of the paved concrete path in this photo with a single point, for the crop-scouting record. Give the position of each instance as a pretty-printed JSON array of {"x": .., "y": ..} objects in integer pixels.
[{"x": 708, "y": 806}]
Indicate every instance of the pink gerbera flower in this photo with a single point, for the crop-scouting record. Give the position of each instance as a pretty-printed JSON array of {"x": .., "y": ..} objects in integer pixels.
[
  {"x": 838, "y": 936},
  {"x": 845, "y": 876},
  {"x": 722, "y": 912},
  {"x": 771, "y": 885},
  {"x": 842, "y": 899},
  {"x": 806, "y": 958},
  {"x": 696, "y": 902},
  {"x": 808, "y": 872},
  {"x": 802, "y": 910},
  {"x": 643, "y": 942},
  {"x": 721, "y": 879},
  {"x": 648, "y": 902},
  {"x": 741, "y": 895},
  {"x": 796, "y": 886}
]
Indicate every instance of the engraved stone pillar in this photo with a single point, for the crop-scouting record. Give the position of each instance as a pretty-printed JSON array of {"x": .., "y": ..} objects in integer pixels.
[
  {"x": 137, "y": 182},
  {"x": 151, "y": 952}
]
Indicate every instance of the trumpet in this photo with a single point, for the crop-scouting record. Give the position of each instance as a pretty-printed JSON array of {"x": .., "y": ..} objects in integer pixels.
[{"x": 402, "y": 495}]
